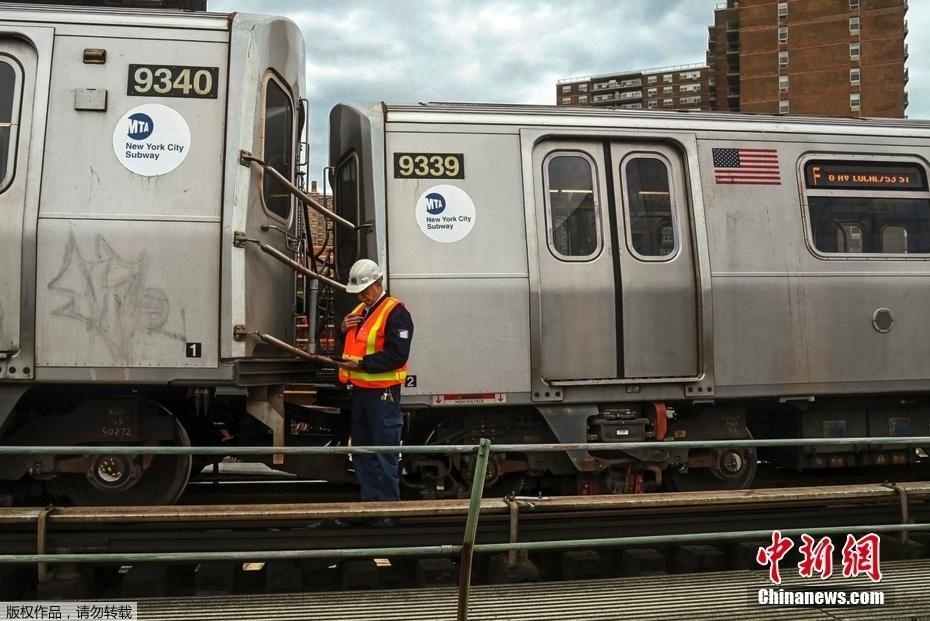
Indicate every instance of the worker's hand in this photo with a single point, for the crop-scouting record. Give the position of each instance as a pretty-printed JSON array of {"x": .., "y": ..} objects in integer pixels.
[
  {"x": 351, "y": 321},
  {"x": 349, "y": 365}
]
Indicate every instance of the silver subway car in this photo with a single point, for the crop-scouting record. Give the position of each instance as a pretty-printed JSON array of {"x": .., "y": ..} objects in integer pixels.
[
  {"x": 588, "y": 275},
  {"x": 128, "y": 293}
]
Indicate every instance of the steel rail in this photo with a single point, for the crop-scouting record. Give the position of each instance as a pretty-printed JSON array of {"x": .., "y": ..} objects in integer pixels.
[
  {"x": 443, "y": 550},
  {"x": 666, "y": 501},
  {"x": 463, "y": 448},
  {"x": 685, "y": 538}
]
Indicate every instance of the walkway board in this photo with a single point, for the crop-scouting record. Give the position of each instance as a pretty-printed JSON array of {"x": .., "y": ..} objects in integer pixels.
[{"x": 712, "y": 595}]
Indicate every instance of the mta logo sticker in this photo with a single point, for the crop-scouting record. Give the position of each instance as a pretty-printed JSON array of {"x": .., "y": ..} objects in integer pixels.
[
  {"x": 144, "y": 151},
  {"x": 445, "y": 213},
  {"x": 141, "y": 126},
  {"x": 435, "y": 204}
]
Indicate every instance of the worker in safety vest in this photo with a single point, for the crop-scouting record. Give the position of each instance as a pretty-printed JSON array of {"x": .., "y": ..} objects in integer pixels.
[{"x": 377, "y": 336}]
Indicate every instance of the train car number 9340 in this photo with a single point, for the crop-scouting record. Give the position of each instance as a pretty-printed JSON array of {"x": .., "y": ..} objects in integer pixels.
[
  {"x": 429, "y": 166},
  {"x": 173, "y": 81}
]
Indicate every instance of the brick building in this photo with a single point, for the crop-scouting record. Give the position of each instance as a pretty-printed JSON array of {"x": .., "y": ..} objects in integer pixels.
[
  {"x": 823, "y": 57},
  {"x": 827, "y": 57},
  {"x": 679, "y": 87}
]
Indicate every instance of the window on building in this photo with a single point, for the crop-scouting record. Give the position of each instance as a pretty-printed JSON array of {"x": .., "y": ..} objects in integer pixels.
[
  {"x": 783, "y": 107},
  {"x": 566, "y": 89},
  {"x": 582, "y": 88},
  {"x": 649, "y": 207},
  {"x": 10, "y": 87},
  {"x": 667, "y": 77},
  {"x": 667, "y": 90},
  {"x": 853, "y": 25},
  {"x": 566, "y": 101},
  {"x": 853, "y": 5},
  {"x": 783, "y": 59},
  {"x": 858, "y": 207},
  {"x": 690, "y": 99},
  {"x": 278, "y": 147},
  {"x": 782, "y": 84},
  {"x": 689, "y": 88},
  {"x": 854, "y": 101},
  {"x": 572, "y": 209},
  {"x": 652, "y": 103},
  {"x": 689, "y": 75},
  {"x": 651, "y": 79},
  {"x": 782, "y": 10},
  {"x": 854, "y": 75},
  {"x": 668, "y": 102},
  {"x": 854, "y": 50},
  {"x": 782, "y": 34},
  {"x": 651, "y": 92},
  {"x": 582, "y": 99},
  {"x": 635, "y": 106}
]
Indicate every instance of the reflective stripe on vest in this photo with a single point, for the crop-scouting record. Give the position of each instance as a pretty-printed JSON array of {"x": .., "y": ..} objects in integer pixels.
[{"x": 368, "y": 339}]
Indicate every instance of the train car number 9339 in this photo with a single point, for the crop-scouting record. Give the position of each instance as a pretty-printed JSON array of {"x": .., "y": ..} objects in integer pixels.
[
  {"x": 173, "y": 81},
  {"x": 429, "y": 166}
]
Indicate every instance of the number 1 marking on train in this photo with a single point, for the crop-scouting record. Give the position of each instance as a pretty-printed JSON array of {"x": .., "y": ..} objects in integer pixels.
[{"x": 193, "y": 350}]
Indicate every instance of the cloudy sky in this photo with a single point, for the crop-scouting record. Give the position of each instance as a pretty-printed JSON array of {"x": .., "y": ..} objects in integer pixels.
[{"x": 503, "y": 51}]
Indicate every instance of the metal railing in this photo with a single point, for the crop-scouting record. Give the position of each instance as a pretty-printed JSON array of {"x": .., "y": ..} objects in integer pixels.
[{"x": 469, "y": 545}]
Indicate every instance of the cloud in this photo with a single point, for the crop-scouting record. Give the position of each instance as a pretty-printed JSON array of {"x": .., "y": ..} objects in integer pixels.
[{"x": 500, "y": 50}]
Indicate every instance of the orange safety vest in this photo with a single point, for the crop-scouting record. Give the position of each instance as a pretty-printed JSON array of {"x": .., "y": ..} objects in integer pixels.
[{"x": 366, "y": 339}]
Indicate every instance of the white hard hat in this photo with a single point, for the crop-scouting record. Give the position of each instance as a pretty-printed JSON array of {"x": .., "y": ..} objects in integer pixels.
[{"x": 363, "y": 273}]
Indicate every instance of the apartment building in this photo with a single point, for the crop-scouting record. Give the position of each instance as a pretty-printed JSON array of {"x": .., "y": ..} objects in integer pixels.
[
  {"x": 819, "y": 57},
  {"x": 677, "y": 87}
]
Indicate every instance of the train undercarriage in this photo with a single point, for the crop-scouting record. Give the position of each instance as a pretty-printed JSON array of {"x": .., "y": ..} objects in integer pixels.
[{"x": 82, "y": 416}]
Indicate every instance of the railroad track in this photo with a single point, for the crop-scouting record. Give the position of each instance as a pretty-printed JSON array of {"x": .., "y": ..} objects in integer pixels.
[{"x": 267, "y": 527}]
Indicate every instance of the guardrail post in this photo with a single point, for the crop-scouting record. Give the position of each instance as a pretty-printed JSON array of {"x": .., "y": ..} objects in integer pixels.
[
  {"x": 471, "y": 526},
  {"x": 42, "y": 566}
]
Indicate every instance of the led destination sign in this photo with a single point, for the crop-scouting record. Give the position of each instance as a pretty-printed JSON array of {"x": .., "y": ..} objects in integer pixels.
[{"x": 833, "y": 175}]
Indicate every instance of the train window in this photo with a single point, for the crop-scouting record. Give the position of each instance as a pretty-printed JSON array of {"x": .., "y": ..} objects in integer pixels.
[
  {"x": 870, "y": 225},
  {"x": 649, "y": 207},
  {"x": 867, "y": 207},
  {"x": 10, "y": 83},
  {"x": 572, "y": 210},
  {"x": 278, "y": 147},
  {"x": 346, "y": 192}
]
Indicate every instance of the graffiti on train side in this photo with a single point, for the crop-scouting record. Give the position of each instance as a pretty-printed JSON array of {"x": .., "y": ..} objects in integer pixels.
[{"x": 109, "y": 295}]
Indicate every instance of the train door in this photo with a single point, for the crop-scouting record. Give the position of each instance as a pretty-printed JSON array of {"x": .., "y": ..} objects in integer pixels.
[
  {"x": 617, "y": 290},
  {"x": 656, "y": 262},
  {"x": 17, "y": 84},
  {"x": 577, "y": 335}
]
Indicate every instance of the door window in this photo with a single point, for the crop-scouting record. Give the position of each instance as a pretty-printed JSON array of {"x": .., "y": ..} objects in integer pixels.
[
  {"x": 347, "y": 203},
  {"x": 572, "y": 213},
  {"x": 278, "y": 148},
  {"x": 10, "y": 87},
  {"x": 651, "y": 225}
]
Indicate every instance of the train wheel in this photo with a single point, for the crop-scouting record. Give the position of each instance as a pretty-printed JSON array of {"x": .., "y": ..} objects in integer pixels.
[
  {"x": 123, "y": 479},
  {"x": 733, "y": 469}
]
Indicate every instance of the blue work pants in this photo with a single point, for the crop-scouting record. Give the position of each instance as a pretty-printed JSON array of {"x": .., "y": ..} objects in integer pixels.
[{"x": 376, "y": 422}]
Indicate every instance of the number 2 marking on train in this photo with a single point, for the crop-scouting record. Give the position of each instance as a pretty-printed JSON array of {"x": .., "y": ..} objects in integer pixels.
[{"x": 411, "y": 381}]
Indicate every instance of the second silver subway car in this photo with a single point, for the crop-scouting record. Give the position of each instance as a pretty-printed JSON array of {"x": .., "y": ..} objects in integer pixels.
[{"x": 585, "y": 275}]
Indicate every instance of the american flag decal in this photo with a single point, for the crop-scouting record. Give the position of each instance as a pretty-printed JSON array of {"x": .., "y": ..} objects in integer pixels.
[{"x": 746, "y": 166}]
